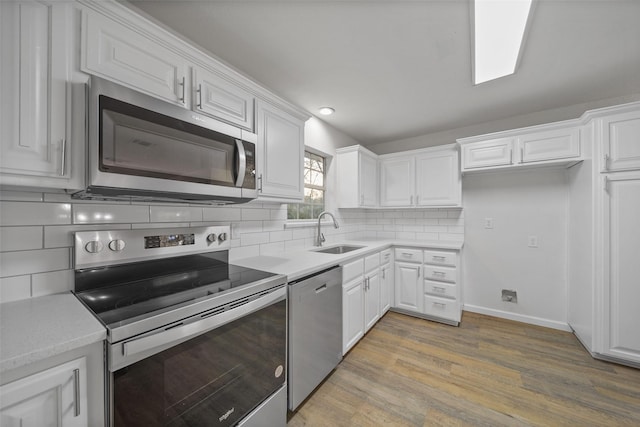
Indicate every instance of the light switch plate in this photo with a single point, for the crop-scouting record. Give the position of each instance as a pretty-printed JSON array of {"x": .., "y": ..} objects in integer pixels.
[
  {"x": 532, "y": 241},
  {"x": 488, "y": 223}
]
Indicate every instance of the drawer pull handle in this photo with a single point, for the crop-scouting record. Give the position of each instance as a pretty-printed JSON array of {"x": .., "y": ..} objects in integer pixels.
[
  {"x": 439, "y": 304},
  {"x": 321, "y": 288},
  {"x": 438, "y": 258},
  {"x": 439, "y": 273},
  {"x": 407, "y": 254},
  {"x": 76, "y": 392},
  {"x": 439, "y": 289}
]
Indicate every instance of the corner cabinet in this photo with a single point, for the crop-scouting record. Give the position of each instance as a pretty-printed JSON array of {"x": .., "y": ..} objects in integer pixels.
[
  {"x": 35, "y": 125},
  {"x": 421, "y": 178},
  {"x": 54, "y": 397},
  {"x": 280, "y": 154},
  {"x": 357, "y": 175}
]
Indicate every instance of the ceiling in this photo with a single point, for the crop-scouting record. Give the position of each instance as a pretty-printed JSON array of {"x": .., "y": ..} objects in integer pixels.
[{"x": 397, "y": 69}]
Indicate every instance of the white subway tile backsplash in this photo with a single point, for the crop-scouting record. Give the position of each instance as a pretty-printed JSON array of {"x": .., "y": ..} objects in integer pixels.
[
  {"x": 31, "y": 213},
  {"x": 101, "y": 214},
  {"x": 37, "y": 261},
  {"x": 250, "y": 227},
  {"x": 268, "y": 248},
  {"x": 275, "y": 225},
  {"x": 280, "y": 236},
  {"x": 294, "y": 244},
  {"x": 59, "y": 236},
  {"x": 175, "y": 213},
  {"x": 15, "y": 288},
  {"x": 255, "y": 214},
  {"x": 426, "y": 236},
  {"x": 254, "y": 238},
  {"x": 143, "y": 225},
  {"x": 20, "y": 196},
  {"x": 244, "y": 252},
  {"x": 53, "y": 282},
  {"x": 435, "y": 228},
  {"x": 221, "y": 214},
  {"x": 405, "y": 235},
  {"x": 20, "y": 238}
]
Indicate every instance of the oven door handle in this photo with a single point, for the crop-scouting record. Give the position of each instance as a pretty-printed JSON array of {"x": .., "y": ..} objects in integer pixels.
[
  {"x": 242, "y": 163},
  {"x": 181, "y": 333}
]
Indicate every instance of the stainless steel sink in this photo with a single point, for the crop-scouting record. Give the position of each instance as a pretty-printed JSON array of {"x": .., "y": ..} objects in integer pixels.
[{"x": 341, "y": 249}]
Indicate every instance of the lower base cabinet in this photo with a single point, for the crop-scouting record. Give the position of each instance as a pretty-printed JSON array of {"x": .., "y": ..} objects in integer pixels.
[
  {"x": 54, "y": 397},
  {"x": 352, "y": 313}
]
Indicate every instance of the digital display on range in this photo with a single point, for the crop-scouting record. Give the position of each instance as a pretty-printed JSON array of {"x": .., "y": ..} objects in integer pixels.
[{"x": 169, "y": 240}]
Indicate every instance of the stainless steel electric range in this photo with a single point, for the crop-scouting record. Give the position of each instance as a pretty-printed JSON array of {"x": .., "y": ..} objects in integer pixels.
[{"x": 192, "y": 340}]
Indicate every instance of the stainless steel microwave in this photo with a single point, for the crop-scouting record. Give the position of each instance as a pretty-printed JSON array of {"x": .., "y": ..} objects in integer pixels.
[{"x": 141, "y": 148}]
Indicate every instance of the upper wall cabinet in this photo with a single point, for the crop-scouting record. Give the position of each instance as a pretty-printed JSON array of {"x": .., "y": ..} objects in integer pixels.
[
  {"x": 280, "y": 154},
  {"x": 555, "y": 144},
  {"x": 357, "y": 177},
  {"x": 421, "y": 178},
  {"x": 620, "y": 136},
  {"x": 217, "y": 97},
  {"x": 118, "y": 53},
  {"x": 36, "y": 93}
]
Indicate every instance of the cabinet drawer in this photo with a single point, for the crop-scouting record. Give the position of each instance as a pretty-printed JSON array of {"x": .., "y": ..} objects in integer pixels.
[
  {"x": 441, "y": 274},
  {"x": 549, "y": 145},
  {"x": 441, "y": 307},
  {"x": 352, "y": 270},
  {"x": 440, "y": 258},
  {"x": 371, "y": 262},
  {"x": 441, "y": 289},
  {"x": 411, "y": 255},
  {"x": 496, "y": 152},
  {"x": 385, "y": 256}
]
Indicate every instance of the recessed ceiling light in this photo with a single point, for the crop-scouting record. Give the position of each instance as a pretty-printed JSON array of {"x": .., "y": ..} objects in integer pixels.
[
  {"x": 325, "y": 111},
  {"x": 499, "y": 28}
]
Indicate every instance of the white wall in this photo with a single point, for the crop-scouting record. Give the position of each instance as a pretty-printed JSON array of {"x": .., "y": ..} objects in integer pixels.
[{"x": 522, "y": 204}]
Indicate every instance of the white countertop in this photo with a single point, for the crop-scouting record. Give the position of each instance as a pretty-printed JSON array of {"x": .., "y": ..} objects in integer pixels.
[
  {"x": 42, "y": 327},
  {"x": 304, "y": 261}
]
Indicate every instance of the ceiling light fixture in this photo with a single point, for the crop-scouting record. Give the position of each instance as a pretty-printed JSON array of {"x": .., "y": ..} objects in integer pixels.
[
  {"x": 326, "y": 111},
  {"x": 499, "y": 29}
]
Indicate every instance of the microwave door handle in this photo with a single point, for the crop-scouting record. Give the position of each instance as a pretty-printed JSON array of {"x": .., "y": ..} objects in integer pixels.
[{"x": 242, "y": 163}]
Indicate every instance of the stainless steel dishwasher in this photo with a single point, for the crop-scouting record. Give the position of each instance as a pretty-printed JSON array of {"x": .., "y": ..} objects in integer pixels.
[{"x": 315, "y": 331}]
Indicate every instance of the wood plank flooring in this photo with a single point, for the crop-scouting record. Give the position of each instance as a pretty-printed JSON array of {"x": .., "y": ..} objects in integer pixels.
[{"x": 487, "y": 372}]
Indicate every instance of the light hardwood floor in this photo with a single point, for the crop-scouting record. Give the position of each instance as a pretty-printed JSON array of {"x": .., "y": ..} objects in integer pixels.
[{"x": 487, "y": 372}]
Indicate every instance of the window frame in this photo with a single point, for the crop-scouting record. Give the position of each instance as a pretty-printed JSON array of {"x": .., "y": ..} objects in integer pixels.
[{"x": 310, "y": 153}]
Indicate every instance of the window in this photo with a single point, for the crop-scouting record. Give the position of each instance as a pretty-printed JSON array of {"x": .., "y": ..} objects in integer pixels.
[{"x": 314, "y": 167}]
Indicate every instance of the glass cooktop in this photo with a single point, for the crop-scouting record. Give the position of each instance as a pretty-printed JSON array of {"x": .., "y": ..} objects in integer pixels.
[{"x": 122, "y": 292}]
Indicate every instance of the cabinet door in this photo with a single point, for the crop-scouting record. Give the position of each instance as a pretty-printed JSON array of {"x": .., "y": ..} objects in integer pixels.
[
  {"x": 549, "y": 145},
  {"x": 55, "y": 397},
  {"x": 120, "y": 54},
  {"x": 621, "y": 237},
  {"x": 397, "y": 181},
  {"x": 368, "y": 180},
  {"x": 386, "y": 287},
  {"x": 438, "y": 179},
  {"x": 280, "y": 154},
  {"x": 35, "y": 50},
  {"x": 495, "y": 152},
  {"x": 352, "y": 313},
  {"x": 408, "y": 287},
  {"x": 621, "y": 142},
  {"x": 221, "y": 99},
  {"x": 371, "y": 300}
]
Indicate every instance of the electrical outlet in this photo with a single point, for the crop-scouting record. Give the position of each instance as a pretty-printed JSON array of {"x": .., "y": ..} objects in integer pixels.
[
  {"x": 510, "y": 296},
  {"x": 488, "y": 223},
  {"x": 532, "y": 241},
  {"x": 234, "y": 230}
]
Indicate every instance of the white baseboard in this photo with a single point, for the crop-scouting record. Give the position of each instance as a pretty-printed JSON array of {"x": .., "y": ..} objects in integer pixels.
[{"x": 554, "y": 324}]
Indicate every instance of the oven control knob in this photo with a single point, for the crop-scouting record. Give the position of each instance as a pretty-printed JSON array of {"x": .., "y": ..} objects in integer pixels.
[
  {"x": 222, "y": 237},
  {"x": 211, "y": 238},
  {"x": 93, "y": 247},
  {"x": 117, "y": 245}
]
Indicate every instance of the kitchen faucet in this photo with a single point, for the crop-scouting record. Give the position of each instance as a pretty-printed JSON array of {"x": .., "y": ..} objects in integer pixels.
[{"x": 321, "y": 238}]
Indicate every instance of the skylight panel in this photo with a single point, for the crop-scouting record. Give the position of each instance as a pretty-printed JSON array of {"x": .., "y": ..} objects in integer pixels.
[{"x": 499, "y": 28}]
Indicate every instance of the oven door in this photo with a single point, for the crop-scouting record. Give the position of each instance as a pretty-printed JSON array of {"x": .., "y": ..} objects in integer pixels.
[{"x": 214, "y": 378}]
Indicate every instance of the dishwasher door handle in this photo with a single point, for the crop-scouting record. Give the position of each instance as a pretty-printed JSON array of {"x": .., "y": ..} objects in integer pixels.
[{"x": 321, "y": 288}]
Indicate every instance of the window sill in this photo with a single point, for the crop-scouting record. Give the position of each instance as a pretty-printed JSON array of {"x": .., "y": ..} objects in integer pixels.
[{"x": 305, "y": 223}]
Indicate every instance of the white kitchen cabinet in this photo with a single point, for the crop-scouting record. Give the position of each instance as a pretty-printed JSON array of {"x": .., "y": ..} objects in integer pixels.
[
  {"x": 53, "y": 397},
  {"x": 122, "y": 53},
  {"x": 352, "y": 313},
  {"x": 408, "y": 287},
  {"x": 371, "y": 290},
  {"x": 397, "y": 181},
  {"x": 621, "y": 250},
  {"x": 217, "y": 97},
  {"x": 386, "y": 281},
  {"x": 620, "y": 136},
  {"x": 549, "y": 145},
  {"x": 35, "y": 120},
  {"x": 357, "y": 177},
  {"x": 494, "y": 152},
  {"x": 421, "y": 178},
  {"x": 438, "y": 178},
  {"x": 280, "y": 153}
]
